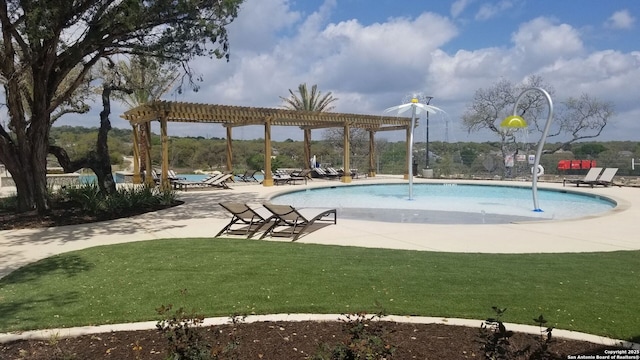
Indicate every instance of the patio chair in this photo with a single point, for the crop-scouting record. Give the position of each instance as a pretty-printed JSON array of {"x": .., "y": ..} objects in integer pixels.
[
  {"x": 249, "y": 220},
  {"x": 171, "y": 174},
  {"x": 588, "y": 179},
  {"x": 297, "y": 175},
  {"x": 249, "y": 176},
  {"x": 219, "y": 181},
  {"x": 606, "y": 179},
  {"x": 296, "y": 221}
]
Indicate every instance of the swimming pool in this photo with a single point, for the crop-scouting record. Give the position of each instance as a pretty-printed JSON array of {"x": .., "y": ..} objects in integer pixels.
[{"x": 447, "y": 203}]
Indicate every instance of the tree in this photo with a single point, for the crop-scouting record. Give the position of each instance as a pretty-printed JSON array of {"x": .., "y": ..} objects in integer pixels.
[
  {"x": 309, "y": 101},
  {"x": 578, "y": 118},
  {"x": 575, "y": 118},
  {"x": 148, "y": 79},
  {"x": 44, "y": 41},
  {"x": 490, "y": 106},
  {"x": 581, "y": 118}
]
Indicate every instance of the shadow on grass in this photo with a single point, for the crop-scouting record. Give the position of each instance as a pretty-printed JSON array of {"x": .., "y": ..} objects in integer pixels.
[
  {"x": 68, "y": 265},
  {"x": 27, "y": 313}
]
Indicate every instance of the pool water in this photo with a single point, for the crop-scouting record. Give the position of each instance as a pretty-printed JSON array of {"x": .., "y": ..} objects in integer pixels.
[{"x": 447, "y": 203}]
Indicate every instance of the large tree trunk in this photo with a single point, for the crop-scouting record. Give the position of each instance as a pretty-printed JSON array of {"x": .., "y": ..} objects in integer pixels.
[
  {"x": 97, "y": 160},
  {"x": 26, "y": 161}
]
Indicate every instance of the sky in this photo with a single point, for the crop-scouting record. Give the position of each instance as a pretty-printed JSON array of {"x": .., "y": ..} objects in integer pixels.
[{"x": 372, "y": 55}]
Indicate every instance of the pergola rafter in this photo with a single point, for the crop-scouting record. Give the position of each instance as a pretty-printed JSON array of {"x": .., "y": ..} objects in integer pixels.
[{"x": 235, "y": 116}]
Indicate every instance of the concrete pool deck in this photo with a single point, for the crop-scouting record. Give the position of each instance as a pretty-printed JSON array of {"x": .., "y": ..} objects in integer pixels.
[{"x": 201, "y": 216}]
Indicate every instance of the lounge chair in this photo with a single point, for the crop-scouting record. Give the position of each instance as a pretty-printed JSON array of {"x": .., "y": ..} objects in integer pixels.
[
  {"x": 333, "y": 173},
  {"x": 291, "y": 178},
  {"x": 589, "y": 179},
  {"x": 173, "y": 176},
  {"x": 606, "y": 179},
  {"x": 219, "y": 181},
  {"x": 250, "y": 220},
  {"x": 296, "y": 221},
  {"x": 249, "y": 176}
]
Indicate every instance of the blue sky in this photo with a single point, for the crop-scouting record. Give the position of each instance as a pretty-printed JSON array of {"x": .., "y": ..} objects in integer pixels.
[{"x": 373, "y": 54}]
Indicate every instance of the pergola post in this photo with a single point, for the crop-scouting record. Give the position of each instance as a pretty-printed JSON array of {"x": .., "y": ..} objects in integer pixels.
[
  {"x": 148, "y": 179},
  {"x": 372, "y": 154},
  {"x": 346, "y": 177},
  {"x": 406, "y": 169},
  {"x": 268, "y": 178},
  {"x": 136, "y": 155},
  {"x": 229, "y": 150},
  {"x": 164, "y": 176}
]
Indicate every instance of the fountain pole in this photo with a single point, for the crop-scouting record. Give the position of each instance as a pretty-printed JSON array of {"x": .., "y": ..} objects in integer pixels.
[
  {"x": 413, "y": 125},
  {"x": 536, "y": 163}
]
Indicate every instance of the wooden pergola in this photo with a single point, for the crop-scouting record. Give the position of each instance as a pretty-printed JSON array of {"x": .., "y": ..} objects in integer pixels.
[{"x": 235, "y": 116}]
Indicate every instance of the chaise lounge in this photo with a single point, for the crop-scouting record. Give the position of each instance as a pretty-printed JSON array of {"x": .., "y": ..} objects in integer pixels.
[
  {"x": 292, "y": 222},
  {"x": 216, "y": 181},
  {"x": 606, "y": 179},
  {"x": 589, "y": 179},
  {"x": 250, "y": 220}
]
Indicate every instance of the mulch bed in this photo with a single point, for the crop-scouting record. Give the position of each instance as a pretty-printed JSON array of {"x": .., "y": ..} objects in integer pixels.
[{"x": 290, "y": 340}]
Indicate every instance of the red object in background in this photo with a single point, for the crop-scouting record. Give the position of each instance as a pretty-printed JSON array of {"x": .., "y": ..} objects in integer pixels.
[
  {"x": 564, "y": 165},
  {"x": 575, "y": 164}
]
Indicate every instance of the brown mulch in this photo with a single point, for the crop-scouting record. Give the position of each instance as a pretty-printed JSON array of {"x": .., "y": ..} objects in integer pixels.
[
  {"x": 268, "y": 340},
  {"x": 292, "y": 340}
]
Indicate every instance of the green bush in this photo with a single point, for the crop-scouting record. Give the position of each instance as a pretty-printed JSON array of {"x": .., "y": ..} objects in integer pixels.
[{"x": 89, "y": 198}]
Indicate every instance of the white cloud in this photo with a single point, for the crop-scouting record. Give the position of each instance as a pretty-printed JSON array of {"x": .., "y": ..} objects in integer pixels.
[
  {"x": 542, "y": 40},
  {"x": 621, "y": 20},
  {"x": 490, "y": 10},
  {"x": 458, "y": 7}
]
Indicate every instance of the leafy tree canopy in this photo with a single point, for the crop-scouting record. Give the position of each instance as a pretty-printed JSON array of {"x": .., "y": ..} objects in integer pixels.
[{"x": 47, "y": 51}]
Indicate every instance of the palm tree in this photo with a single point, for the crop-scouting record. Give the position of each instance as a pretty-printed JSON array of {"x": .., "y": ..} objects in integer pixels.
[{"x": 309, "y": 102}]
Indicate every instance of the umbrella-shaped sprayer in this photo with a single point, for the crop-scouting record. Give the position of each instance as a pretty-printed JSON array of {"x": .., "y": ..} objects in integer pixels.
[{"x": 416, "y": 108}]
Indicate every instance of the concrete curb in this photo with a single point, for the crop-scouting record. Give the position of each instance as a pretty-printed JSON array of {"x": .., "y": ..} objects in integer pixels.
[{"x": 150, "y": 325}]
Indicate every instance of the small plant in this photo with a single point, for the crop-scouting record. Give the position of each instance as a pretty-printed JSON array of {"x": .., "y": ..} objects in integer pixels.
[
  {"x": 365, "y": 340},
  {"x": 58, "y": 352},
  {"x": 544, "y": 341},
  {"x": 183, "y": 334},
  {"x": 137, "y": 349},
  {"x": 494, "y": 337}
]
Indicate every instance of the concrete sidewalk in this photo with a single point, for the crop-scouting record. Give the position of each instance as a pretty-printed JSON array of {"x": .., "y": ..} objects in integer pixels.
[{"x": 201, "y": 216}]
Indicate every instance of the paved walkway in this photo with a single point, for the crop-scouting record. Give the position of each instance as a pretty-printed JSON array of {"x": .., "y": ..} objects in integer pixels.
[{"x": 201, "y": 216}]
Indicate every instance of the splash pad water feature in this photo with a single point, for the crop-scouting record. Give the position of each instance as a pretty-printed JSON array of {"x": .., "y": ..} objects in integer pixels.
[{"x": 447, "y": 203}]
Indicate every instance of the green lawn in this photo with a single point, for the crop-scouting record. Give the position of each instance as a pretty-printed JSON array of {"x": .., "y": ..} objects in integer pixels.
[{"x": 597, "y": 293}]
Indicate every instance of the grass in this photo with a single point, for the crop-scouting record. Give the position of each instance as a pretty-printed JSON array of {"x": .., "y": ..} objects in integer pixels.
[{"x": 590, "y": 292}]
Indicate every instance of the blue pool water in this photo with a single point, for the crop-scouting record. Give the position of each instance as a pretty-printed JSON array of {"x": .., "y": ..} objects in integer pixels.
[{"x": 447, "y": 203}]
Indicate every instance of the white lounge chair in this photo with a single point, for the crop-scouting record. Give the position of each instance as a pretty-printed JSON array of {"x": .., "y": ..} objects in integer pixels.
[
  {"x": 589, "y": 179},
  {"x": 606, "y": 179}
]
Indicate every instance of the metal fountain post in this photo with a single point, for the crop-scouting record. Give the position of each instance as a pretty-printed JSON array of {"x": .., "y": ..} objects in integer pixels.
[
  {"x": 416, "y": 107},
  {"x": 414, "y": 101},
  {"x": 534, "y": 182}
]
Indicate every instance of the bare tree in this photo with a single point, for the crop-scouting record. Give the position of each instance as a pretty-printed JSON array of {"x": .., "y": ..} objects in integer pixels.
[
  {"x": 581, "y": 118},
  {"x": 490, "y": 106}
]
